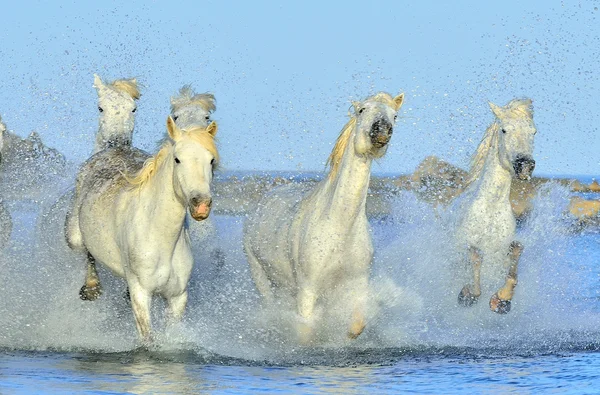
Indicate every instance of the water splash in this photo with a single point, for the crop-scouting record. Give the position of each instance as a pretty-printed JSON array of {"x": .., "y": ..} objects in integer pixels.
[{"x": 413, "y": 306}]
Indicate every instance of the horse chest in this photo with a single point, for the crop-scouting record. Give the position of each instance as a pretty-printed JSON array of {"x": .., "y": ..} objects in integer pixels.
[
  {"x": 490, "y": 224},
  {"x": 328, "y": 250}
]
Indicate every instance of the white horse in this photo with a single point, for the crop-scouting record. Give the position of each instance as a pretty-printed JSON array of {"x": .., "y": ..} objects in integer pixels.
[
  {"x": 191, "y": 110},
  {"x": 136, "y": 226},
  {"x": 312, "y": 245},
  {"x": 116, "y": 103},
  {"x": 116, "y": 121},
  {"x": 486, "y": 223}
]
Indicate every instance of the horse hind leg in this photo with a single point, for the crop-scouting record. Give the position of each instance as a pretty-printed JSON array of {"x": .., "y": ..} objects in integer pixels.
[
  {"x": 92, "y": 289},
  {"x": 470, "y": 293},
  {"x": 501, "y": 301},
  {"x": 260, "y": 277},
  {"x": 177, "y": 307}
]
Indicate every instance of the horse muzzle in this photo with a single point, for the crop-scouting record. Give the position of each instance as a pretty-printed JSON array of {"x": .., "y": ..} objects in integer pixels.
[
  {"x": 381, "y": 133},
  {"x": 200, "y": 208},
  {"x": 523, "y": 167}
]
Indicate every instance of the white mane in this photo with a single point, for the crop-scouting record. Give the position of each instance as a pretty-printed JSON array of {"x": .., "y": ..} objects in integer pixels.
[{"x": 187, "y": 96}]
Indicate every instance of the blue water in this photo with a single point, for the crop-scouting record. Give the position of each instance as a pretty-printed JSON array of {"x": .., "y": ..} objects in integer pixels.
[{"x": 417, "y": 339}]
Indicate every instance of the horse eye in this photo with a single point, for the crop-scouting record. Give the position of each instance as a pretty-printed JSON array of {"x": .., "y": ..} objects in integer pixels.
[
  {"x": 361, "y": 110},
  {"x": 212, "y": 162},
  {"x": 134, "y": 109},
  {"x": 100, "y": 109},
  {"x": 177, "y": 160},
  {"x": 175, "y": 117},
  {"x": 503, "y": 131},
  {"x": 207, "y": 117}
]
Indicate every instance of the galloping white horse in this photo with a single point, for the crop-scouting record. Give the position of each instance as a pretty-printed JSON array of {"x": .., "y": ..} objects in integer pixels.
[
  {"x": 116, "y": 103},
  {"x": 309, "y": 245},
  {"x": 486, "y": 223},
  {"x": 191, "y": 110},
  {"x": 136, "y": 226}
]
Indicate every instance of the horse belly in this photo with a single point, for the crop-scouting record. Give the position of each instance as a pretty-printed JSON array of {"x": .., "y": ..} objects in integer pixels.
[
  {"x": 330, "y": 256},
  {"x": 267, "y": 238},
  {"x": 99, "y": 233},
  {"x": 488, "y": 229}
]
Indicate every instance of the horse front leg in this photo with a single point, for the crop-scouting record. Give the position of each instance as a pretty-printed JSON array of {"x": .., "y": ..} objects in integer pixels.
[
  {"x": 306, "y": 302},
  {"x": 501, "y": 301},
  {"x": 471, "y": 292},
  {"x": 92, "y": 289},
  {"x": 358, "y": 294},
  {"x": 140, "y": 303}
]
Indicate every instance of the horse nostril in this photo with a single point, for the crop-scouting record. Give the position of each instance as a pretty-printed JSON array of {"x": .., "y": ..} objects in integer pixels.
[
  {"x": 198, "y": 200},
  {"x": 524, "y": 165}
]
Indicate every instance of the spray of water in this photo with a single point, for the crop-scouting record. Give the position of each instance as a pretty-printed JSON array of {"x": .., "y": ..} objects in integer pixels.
[{"x": 413, "y": 304}]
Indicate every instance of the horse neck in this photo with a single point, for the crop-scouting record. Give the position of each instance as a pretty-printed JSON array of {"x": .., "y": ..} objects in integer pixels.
[
  {"x": 168, "y": 209},
  {"x": 345, "y": 193},
  {"x": 107, "y": 138},
  {"x": 494, "y": 182}
]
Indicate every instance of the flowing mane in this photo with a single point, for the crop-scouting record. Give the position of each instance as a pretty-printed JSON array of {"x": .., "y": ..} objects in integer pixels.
[
  {"x": 519, "y": 108},
  {"x": 151, "y": 165},
  {"x": 129, "y": 87},
  {"x": 489, "y": 140},
  {"x": 335, "y": 158},
  {"x": 384, "y": 98},
  {"x": 186, "y": 97}
]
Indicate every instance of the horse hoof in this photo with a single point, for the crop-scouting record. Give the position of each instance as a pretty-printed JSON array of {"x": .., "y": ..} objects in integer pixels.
[
  {"x": 90, "y": 293},
  {"x": 466, "y": 298},
  {"x": 355, "y": 330},
  {"x": 498, "y": 305}
]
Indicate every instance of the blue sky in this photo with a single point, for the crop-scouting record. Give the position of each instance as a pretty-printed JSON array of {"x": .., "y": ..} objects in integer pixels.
[{"x": 284, "y": 73}]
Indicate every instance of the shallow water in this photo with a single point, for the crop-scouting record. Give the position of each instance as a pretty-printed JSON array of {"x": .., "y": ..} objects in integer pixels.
[{"x": 417, "y": 339}]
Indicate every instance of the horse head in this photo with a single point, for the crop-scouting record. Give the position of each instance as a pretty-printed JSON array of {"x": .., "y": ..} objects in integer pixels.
[
  {"x": 516, "y": 132},
  {"x": 117, "y": 107},
  {"x": 375, "y": 119},
  {"x": 195, "y": 156},
  {"x": 189, "y": 109}
]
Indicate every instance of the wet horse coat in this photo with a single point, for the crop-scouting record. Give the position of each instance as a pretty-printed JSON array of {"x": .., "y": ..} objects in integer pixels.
[
  {"x": 136, "y": 226},
  {"x": 307, "y": 244},
  {"x": 486, "y": 225}
]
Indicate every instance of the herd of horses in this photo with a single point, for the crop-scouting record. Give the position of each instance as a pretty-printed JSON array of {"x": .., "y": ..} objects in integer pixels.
[{"x": 134, "y": 212}]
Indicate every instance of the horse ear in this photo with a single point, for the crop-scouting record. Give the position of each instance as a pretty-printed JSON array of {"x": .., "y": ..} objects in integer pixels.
[
  {"x": 212, "y": 128},
  {"x": 497, "y": 110},
  {"x": 399, "y": 100},
  {"x": 173, "y": 129},
  {"x": 97, "y": 82}
]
